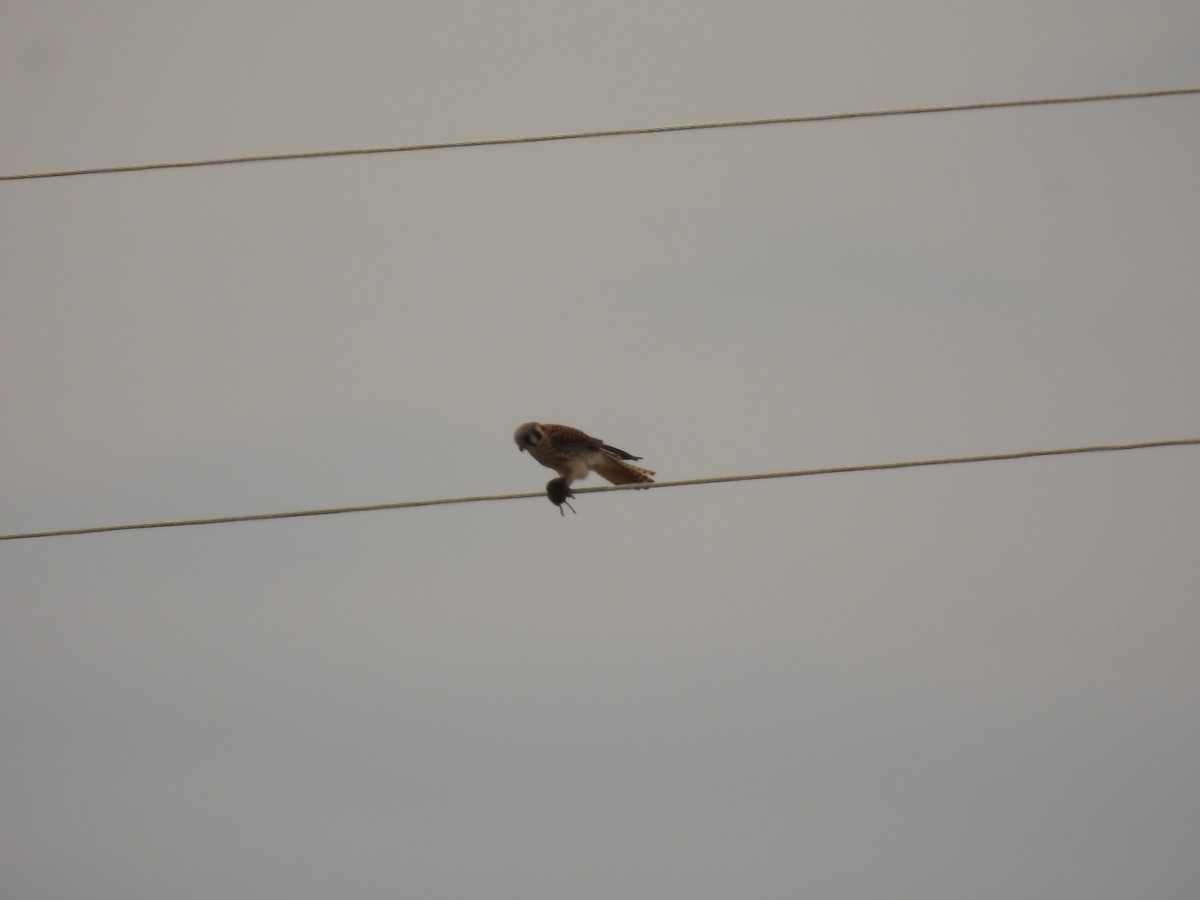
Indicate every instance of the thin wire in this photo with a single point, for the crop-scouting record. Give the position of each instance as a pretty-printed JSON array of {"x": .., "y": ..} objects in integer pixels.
[
  {"x": 615, "y": 132},
  {"x": 719, "y": 479}
]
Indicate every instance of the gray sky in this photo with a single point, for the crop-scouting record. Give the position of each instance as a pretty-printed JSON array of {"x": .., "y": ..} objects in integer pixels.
[{"x": 974, "y": 681}]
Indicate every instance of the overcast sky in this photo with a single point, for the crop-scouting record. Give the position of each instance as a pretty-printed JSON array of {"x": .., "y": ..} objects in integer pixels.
[{"x": 974, "y": 681}]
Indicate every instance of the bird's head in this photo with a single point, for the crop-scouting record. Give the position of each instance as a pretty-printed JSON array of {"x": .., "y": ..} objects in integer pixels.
[{"x": 529, "y": 435}]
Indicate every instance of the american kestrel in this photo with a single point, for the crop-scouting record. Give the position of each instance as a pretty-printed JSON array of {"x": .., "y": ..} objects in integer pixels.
[{"x": 572, "y": 454}]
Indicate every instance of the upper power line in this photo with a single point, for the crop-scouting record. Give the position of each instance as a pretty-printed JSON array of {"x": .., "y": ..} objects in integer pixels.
[
  {"x": 716, "y": 479},
  {"x": 614, "y": 132}
]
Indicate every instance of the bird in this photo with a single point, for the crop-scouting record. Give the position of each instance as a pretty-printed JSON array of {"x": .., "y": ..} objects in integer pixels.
[{"x": 573, "y": 453}]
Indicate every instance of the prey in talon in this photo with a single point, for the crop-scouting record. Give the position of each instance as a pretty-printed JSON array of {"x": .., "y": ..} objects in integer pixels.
[{"x": 558, "y": 491}]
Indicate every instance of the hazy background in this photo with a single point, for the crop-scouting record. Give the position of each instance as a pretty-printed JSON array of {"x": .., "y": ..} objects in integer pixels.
[{"x": 976, "y": 681}]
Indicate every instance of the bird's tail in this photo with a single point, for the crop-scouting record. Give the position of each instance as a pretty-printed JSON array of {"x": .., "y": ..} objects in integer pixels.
[{"x": 618, "y": 471}]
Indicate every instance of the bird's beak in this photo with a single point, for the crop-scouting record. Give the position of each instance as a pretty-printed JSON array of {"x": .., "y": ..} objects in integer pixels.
[{"x": 520, "y": 449}]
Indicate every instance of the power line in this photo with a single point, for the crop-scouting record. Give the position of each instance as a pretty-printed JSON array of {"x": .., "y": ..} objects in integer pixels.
[
  {"x": 687, "y": 482},
  {"x": 615, "y": 132}
]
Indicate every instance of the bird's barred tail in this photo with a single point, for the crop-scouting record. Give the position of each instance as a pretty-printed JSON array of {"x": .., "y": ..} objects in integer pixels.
[{"x": 618, "y": 471}]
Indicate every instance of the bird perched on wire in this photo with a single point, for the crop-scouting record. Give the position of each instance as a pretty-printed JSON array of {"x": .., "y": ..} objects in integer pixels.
[{"x": 572, "y": 454}]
